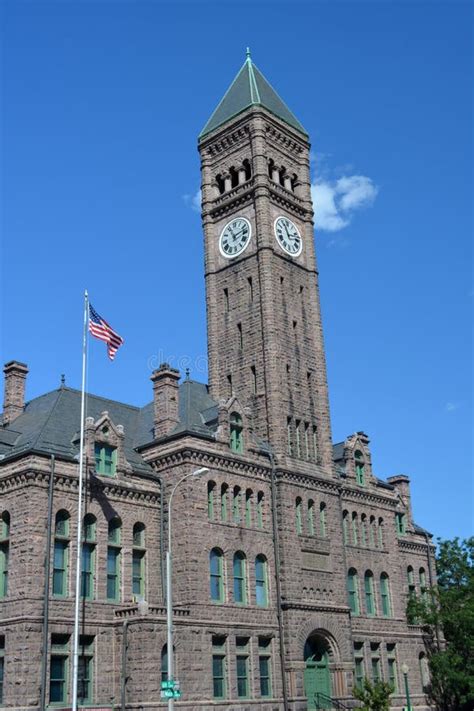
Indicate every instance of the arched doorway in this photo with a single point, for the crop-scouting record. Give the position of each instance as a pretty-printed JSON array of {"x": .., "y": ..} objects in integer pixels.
[{"x": 317, "y": 677}]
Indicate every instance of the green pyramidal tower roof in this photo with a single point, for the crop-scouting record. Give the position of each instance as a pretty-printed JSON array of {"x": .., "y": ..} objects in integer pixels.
[{"x": 250, "y": 88}]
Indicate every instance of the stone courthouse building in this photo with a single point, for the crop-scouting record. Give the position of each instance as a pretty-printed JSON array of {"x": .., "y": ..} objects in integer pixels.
[{"x": 293, "y": 561}]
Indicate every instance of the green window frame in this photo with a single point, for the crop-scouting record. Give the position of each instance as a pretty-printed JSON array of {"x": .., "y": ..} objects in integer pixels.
[
  {"x": 392, "y": 667},
  {"x": 85, "y": 669},
  {"x": 242, "y": 667},
  {"x": 216, "y": 578},
  {"x": 354, "y": 529},
  {"x": 322, "y": 520},
  {"x": 307, "y": 453},
  {"x": 224, "y": 499},
  {"x": 236, "y": 433},
  {"x": 61, "y": 554},
  {"x": 211, "y": 493},
  {"x": 345, "y": 526},
  {"x": 2, "y": 666},
  {"x": 4, "y": 559},
  {"x": 239, "y": 578},
  {"x": 380, "y": 534},
  {"x": 139, "y": 535},
  {"x": 237, "y": 504},
  {"x": 385, "y": 595},
  {"x": 359, "y": 671},
  {"x": 219, "y": 668},
  {"x": 248, "y": 507},
  {"x": 58, "y": 669},
  {"x": 264, "y": 667},
  {"x": 87, "y": 570},
  {"x": 260, "y": 505},
  {"x": 353, "y": 592},
  {"x": 113, "y": 573},
  {"x": 369, "y": 593},
  {"x": 359, "y": 467},
  {"x": 372, "y": 531},
  {"x": 298, "y": 516},
  {"x": 164, "y": 663},
  {"x": 311, "y": 517},
  {"x": 261, "y": 581},
  {"x": 298, "y": 438},
  {"x": 375, "y": 664},
  {"x": 411, "y": 582},
  {"x": 315, "y": 443},
  {"x": 400, "y": 524},
  {"x": 138, "y": 573},
  {"x": 105, "y": 459}
]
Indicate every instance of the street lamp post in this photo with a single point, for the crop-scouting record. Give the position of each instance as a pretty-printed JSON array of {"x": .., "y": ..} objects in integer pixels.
[
  {"x": 169, "y": 584},
  {"x": 405, "y": 670}
]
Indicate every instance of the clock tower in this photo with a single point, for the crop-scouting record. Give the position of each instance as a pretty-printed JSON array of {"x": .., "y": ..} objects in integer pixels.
[{"x": 265, "y": 339}]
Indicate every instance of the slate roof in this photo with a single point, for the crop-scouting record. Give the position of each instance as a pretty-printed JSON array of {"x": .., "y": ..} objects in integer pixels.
[
  {"x": 50, "y": 423},
  {"x": 250, "y": 88}
]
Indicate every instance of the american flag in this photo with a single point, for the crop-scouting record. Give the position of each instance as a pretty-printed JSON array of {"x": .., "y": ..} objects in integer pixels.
[{"x": 101, "y": 330}]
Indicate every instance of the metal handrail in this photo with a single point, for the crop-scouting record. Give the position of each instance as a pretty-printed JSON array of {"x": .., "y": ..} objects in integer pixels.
[{"x": 323, "y": 701}]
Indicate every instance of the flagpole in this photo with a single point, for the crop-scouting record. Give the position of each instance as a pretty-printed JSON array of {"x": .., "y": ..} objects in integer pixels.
[{"x": 75, "y": 663}]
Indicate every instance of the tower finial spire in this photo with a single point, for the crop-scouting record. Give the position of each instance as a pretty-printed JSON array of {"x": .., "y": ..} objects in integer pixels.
[{"x": 247, "y": 54}]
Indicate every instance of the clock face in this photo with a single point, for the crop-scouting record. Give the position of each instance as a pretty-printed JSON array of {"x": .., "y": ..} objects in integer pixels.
[
  {"x": 288, "y": 236},
  {"x": 235, "y": 237}
]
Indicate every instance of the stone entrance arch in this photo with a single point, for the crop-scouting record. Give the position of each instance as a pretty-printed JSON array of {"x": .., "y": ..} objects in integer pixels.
[{"x": 317, "y": 674}]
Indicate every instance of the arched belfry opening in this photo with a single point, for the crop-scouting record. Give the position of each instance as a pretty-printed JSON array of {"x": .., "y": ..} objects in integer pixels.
[{"x": 318, "y": 658}]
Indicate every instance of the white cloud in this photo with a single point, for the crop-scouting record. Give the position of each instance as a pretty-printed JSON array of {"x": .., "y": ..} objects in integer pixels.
[
  {"x": 335, "y": 201},
  {"x": 193, "y": 201},
  {"x": 451, "y": 406}
]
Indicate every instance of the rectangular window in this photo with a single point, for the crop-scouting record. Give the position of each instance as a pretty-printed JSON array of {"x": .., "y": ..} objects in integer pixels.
[
  {"x": 2, "y": 665},
  {"x": 375, "y": 662},
  {"x": 105, "y": 459},
  {"x": 4, "y": 551},
  {"x": 58, "y": 668},
  {"x": 298, "y": 441},
  {"x": 219, "y": 668},
  {"x": 315, "y": 443},
  {"x": 87, "y": 581},
  {"x": 138, "y": 572},
  {"x": 289, "y": 436},
  {"x": 242, "y": 667},
  {"x": 84, "y": 669},
  {"x": 254, "y": 379},
  {"x": 400, "y": 524},
  {"x": 359, "y": 664},
  {"x": 392, "y": 666},
  {"x": 307, "y": 453},
  {"x": 113, "y": 573},
  {"x": 264, "y": 664},
  {"x": 60, "y": 563},
  {"x": 240, "y": 337}
]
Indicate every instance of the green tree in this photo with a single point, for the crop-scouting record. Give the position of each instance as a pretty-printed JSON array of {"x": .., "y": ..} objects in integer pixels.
[
  {"x": 375, "y": 697},
  {"x": 446, "y": 613}
]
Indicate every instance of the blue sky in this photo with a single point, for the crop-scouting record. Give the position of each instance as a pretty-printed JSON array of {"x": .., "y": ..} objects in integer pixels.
[{"x": 102, "y": 105}]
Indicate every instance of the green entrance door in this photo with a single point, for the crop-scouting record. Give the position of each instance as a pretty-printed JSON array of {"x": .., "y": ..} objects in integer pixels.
[{"x": 317, "y": 679}]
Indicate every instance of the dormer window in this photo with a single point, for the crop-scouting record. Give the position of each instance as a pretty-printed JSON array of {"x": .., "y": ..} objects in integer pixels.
[
  {"x": 236, "y": 436},
  {"x": 359, "y": 467},
  {"x": 105, "y": 459}
]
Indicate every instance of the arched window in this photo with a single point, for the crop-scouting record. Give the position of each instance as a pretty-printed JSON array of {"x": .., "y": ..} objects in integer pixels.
[
  {"x": 354, "y": 528},
  {"x": 248, "y": 507},
  {"x": 385, "y": 595},
  {"x": 380, "y": 534},
  {"x": 236, "y": 436},
  {"x": 322, "y": 520},
  {"x": 4, "y": 552},
  {"x": 424, "y": 671},
  {"x": 238, "y": 571},
  {"x": 61, "y": 554},
  {"x": 114, "y": 550},
  {"x": 138, "y": 560},
  {"x": 211, "y": 493},
  {"x": 311, "y": 517},
  {"x": 411, "y": 582},
  {"x": 299, "y": 520},
  {"x": 359, "y": 467},
  {"x": 261, "y": 581},
  {"x": 423, "y": 589},
  {"x": 345, "y": 526},
  {"x": 363, "y": 530},
  {"x": 224, "y": 500},
  {"x": 260, "y": 504},
  {"x": 88, "y": 556},
  {"x": 353, "y": 591},
  {"x": 164, "y": 663},
  {"x": 237, "y": 505},
  {"x": 216, "y": 575},
  {"x": 369, "y": 593},
  {"x": 372, "y": 531}
]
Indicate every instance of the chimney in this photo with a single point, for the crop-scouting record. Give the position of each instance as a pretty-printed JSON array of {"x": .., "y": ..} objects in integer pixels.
[
  {"x": 165, "y": 399},
  {"x": 14, "y": 394},
  {"x": 402, "y": 484}
]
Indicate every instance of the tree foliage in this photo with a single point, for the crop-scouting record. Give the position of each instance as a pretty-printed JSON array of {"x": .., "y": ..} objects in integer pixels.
[
  {"x": 375, "y": 697},
  {"x": 446, "y": 613}
]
